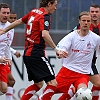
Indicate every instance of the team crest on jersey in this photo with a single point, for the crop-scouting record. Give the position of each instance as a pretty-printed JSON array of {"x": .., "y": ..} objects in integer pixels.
[
  {"x": 89, "y": 45},
  {"x": 46, "y": 23}
]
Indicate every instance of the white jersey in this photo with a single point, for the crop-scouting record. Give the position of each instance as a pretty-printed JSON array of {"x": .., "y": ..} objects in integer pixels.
[
  {"x": 6, "y": 41},
  {"x": 81, "y": 50}
]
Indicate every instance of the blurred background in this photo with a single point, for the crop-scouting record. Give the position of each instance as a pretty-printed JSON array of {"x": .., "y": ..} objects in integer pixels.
[{"x": 63, "y": 20}]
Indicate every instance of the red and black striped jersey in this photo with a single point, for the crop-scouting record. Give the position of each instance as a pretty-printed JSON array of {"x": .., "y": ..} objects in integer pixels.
[{"x": 36, "y": 21}]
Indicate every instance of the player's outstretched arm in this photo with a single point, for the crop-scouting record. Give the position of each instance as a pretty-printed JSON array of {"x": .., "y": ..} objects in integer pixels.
[{"x": 11, "y": 26}]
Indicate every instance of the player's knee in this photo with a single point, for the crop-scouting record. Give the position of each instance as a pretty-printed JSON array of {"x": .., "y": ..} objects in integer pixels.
[
  {"x": 40, "y": 84},
  {"x": 97, "y": 84},
  {"x": 3, "y": 87},
  {"x": 3, "y": 90}
]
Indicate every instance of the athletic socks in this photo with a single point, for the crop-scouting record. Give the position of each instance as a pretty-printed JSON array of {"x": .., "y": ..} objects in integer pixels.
[
  {"x": 95, "y": 93},
  {"x": 48, "y": 93},
  {"x": 69, "y": 95},
  {"x": 9, "y": 93},
  {"x": 29, "y": 92}
]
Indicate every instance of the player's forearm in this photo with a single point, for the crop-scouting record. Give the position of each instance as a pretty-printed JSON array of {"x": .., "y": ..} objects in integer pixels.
[
  {"x": 48, "y": 39},
  {"x": 13, "y": 25}
]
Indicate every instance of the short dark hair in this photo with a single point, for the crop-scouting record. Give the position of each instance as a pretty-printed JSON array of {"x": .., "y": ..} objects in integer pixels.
[
  {"x": 44, "y": 3},
  {"x": 4, "y": 5},
  {"x": 95, "y": 6},
  {"x": 13, "y": 12}
]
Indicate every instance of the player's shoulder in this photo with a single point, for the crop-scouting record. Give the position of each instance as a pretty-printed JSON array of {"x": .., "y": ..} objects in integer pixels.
[
  {"x": 71, "y": 34},
  {"x": 74, "y": 32}
]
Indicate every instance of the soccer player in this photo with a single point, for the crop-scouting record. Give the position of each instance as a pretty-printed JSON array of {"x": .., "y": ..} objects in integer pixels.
[
  {"x": 80, "y": 44},
  {"x": 11, "y": 81},
  {"x": 12, "y": 17},
  {"x": 37, "y": 35},
  {"x": 94, "y": 76},
  {"x": 5, "y": 43}
]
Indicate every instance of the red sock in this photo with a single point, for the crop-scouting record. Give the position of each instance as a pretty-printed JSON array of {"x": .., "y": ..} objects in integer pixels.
[
  {"x": 95, "y": 93},
  {"x": 29, "y": 92},
  {"x": 48, "y": 93},
  {"x": 69, "y": 95}
]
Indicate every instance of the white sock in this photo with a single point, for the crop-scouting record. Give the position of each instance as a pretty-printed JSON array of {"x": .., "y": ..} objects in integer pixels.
[{"x": 9, "y": 93}]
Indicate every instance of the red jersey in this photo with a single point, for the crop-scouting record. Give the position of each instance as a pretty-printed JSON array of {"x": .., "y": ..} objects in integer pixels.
[
  {"x": 95, "y": 29},
  {"x": 36, "y": 21}
]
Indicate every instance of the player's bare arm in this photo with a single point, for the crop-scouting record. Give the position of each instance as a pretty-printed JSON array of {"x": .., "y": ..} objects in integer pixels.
[
  {"x": 11, "y": 26},
  {"x": 49, "y": 41}
]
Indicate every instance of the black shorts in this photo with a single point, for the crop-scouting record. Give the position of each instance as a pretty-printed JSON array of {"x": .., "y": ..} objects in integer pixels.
[
  {"x": 94, "y": 70},
  {"x": 38, "y": 69}
]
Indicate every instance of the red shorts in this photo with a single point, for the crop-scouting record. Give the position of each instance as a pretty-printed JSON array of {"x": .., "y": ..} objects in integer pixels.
[
  {"x": 66, "y": 78},
  {"x": 4, "y": 71}
]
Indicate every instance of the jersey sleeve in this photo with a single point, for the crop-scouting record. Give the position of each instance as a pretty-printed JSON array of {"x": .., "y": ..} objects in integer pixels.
[
  {"x": 8, "y": 53},
  {"x": 13, "y": 51},
  {"x": 65, "y": 43},
  {"x": 11, "y": 32},
  {"x": 45, "y": 22},
  {"x": 25, "y": 18}
]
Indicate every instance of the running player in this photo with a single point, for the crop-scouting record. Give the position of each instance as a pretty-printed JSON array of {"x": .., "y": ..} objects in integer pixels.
[{"x": 94, "y": 77}]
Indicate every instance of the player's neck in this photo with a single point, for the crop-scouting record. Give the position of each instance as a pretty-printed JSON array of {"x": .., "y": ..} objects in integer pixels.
[
  {"x": 45, "y": 8},
  {"x": 82, "y": 32},
  {"x": 95, "y": 23}
]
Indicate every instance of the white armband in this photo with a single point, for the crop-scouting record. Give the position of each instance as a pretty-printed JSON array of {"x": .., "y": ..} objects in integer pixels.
[{"x": 55, "y": 49}]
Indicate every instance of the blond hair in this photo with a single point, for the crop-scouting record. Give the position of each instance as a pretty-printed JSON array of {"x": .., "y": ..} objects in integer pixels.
[{"x": 83, "y": 13}]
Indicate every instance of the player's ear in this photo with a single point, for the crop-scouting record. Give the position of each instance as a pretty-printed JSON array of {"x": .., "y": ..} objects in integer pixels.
[
  {"x": 79, "y": 21},
  {"x": 49, "y": 4}
]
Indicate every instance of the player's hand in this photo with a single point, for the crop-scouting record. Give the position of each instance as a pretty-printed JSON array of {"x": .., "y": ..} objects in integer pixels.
[
  {"x": 2, "y": 32},
  {"x": 9, "y": 63},
  {"x": 17, "y": 54},
  {"x": 61, "y": 54},
  {"x": 4, "y": 60}
]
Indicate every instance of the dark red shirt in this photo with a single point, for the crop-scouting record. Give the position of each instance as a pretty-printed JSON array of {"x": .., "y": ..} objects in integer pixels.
[{"x": 36, "y": 21}]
